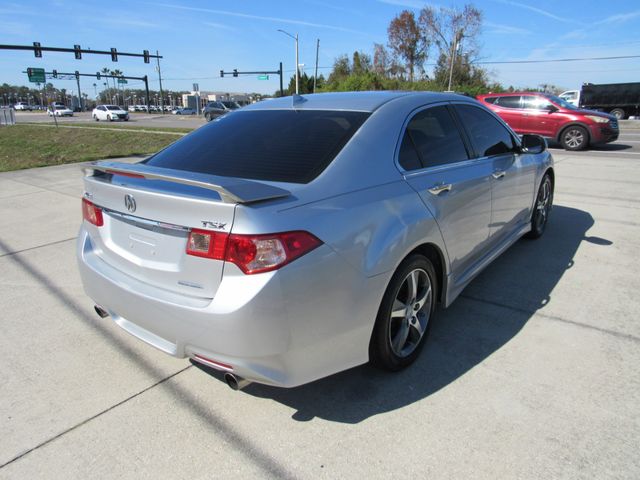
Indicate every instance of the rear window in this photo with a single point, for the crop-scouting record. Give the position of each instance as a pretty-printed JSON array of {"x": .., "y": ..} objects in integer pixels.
[{"x": 273, "y": 145}]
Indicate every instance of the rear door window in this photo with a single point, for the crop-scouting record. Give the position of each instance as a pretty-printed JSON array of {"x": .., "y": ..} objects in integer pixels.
[
  {"x": 435, "y": 137},
  {"x": 488, "y": 135},
  {"x": 273, "y": 145}
]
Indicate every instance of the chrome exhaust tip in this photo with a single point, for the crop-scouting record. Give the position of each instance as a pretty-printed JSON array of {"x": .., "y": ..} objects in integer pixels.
[
  {"x": 235, "y": 383},
  {"x": 100, "y": 311}
]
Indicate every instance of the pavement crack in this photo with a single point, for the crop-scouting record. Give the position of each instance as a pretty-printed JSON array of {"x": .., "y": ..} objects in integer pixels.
[
  {"x": 37, "y": 247},
  {"x": 97, "y": 415}
]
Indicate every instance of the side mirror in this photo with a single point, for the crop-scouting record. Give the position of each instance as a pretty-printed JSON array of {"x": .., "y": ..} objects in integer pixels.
[
  {"x": 551, "y": 108},
  {"x": 533, "y": 144}
]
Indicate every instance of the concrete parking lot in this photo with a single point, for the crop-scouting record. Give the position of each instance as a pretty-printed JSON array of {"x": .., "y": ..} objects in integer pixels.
[{"x": 531, "y": 373}]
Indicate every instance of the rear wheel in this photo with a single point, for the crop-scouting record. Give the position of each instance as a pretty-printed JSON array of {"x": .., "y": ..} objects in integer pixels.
[
  {"x": 618, "y": 113},
  {"x": 207, "y": 117},
  {"x": 542, "y": 208},
  {"x": 405, "y": 314},
  {"x": 95, "y": 117},
  {"x": 574, "y": 138},
  {"x": 109, "y": 118}
]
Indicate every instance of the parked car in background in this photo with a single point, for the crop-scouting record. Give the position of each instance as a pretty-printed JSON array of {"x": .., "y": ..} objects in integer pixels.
[
  {"x": 59, "y": 111},
  {"x": 184, "y": 111},
  {"x": 109, "y": 113},
  {"x": 131, "y": 108},
  {"x": 287, "y": 242},
  {"x": 22, "y": 106},
  {"x": 619, "y": 99},
  {"x": 217, "y": 109},
  {"x": 553, "y": 118}
]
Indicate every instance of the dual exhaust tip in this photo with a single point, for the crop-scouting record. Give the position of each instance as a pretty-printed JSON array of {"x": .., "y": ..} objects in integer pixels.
[{"x": 235, "y": 383}]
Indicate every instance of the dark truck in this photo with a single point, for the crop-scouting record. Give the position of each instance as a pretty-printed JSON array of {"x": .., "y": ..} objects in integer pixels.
[{"x": 619, "y": 99}]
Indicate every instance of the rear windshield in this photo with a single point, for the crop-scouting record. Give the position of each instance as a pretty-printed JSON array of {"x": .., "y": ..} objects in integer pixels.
[{"x": 273, "y": 145}]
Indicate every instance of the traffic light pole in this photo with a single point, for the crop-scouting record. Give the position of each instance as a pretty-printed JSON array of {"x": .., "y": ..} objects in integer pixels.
[
  {"x": 79, "y": 93},
  {"x": 37, "y": 49}
]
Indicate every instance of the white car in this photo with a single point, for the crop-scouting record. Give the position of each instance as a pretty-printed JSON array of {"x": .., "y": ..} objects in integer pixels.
[
  {"x": 59, "y": 111},
  {"x": 109, "y": 113},
  {"x": 22, "y": 106}
]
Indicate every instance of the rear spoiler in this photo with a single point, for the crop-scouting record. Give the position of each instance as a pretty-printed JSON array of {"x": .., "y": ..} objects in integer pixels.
[{"x": 230, "y": 189}]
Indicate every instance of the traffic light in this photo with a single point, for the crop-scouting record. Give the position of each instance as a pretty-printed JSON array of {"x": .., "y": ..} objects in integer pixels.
[
  {"x": 114, "y": 55},
  {"x": 55, "y": 73},
  {"x": 77, "y": 74},
  {"x": 145, "y": 53},
  {"x": 221, "y": 73},
  {"x": 37, "y": 51},
  {"x": 98, "y": 75},
  {"x": 77, "y": 51},
  {"x": 235, "y": 72}
]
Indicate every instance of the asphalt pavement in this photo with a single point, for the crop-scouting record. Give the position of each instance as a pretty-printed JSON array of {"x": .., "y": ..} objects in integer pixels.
[{"x": 531, "y": 373}]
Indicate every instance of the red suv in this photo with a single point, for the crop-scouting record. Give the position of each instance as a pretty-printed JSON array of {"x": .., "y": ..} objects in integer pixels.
[{"x": 552, "y": 117}]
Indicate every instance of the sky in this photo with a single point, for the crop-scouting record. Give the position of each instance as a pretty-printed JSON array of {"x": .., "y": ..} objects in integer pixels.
[{"x": 199, "y": 38}]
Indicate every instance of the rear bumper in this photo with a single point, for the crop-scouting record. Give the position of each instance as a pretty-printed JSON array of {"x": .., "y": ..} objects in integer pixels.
[{"x": 281, "y": 328}]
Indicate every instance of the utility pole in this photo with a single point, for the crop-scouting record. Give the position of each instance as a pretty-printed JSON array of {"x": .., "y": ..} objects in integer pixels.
[
  {"x": 454, "y": 49},
  {"x": 281, "y": 73},
  {"x": 160, "y": 80},
  {"x": 146, "y": 89},
  {"x": 315, "y": 75}
]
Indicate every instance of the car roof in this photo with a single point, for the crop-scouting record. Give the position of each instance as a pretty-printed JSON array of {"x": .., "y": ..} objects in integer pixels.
[{"x": 354, "y": 101}]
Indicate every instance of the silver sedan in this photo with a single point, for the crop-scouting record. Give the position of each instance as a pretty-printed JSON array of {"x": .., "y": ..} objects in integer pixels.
[{"x": 306, "y": 235}]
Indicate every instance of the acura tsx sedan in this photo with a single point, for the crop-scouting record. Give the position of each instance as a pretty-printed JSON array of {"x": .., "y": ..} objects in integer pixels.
[{"x": 299, "y": 237}]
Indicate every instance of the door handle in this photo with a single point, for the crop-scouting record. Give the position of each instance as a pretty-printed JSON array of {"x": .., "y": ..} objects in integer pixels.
[
  {"x": 438, "y": 189},
  {"x": 498, "y": 174}
]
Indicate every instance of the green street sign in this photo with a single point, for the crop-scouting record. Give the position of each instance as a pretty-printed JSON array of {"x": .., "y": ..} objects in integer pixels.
[
  {"x": 36, "y": 75},
  {"x": 122, "y": 80},
  {"x": 263, "y": 77}
]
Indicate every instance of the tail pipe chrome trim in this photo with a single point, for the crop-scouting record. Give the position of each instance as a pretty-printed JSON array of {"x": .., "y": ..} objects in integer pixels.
[
  {"x": 100, "y": 311},
  {"x": 236, "y": 383}
]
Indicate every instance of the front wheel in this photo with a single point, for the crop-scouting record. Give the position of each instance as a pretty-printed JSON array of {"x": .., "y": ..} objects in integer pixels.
[
  {"x": 207, "y": 117},
  {"x": 542, "y": 208},
  {"x": 405, "y": 315},
  {"x": 574, "y": 138},
  {"x": 109, "y": 118},
  {"x": 95, "y": 117}
]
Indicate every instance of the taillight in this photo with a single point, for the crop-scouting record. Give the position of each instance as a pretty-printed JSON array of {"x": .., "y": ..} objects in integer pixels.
[
  {"x": 252, "y": 253},
  {"x": 91, "y": 213}
]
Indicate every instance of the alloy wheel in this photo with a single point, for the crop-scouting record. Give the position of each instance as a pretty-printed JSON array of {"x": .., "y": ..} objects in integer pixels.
[
  {"x": 574, "y": 138},
  {"x": 543, "y": 203},
  {"x": 410, "y": 313}
]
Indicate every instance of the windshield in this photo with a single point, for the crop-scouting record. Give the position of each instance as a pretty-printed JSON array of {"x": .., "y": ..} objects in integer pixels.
[
  {"x": 562, "y": 102},
  {"x": 231, "y": 105},
  {"x": 113, "y": 107},
  {"x": 273, "y": 145}
]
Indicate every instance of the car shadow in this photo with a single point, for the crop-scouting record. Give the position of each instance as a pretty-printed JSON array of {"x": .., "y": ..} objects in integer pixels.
[
  {"x": 490, "y": 312},
  {"x": 606, "y": 147}
]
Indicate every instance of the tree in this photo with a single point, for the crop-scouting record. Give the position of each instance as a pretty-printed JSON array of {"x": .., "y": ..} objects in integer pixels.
[
  {"x": 408, "y": 41},
  {"x": 361, "y": 63},
  {"x": 381, "y": 59},
  {"x": 449, "y": 29}
]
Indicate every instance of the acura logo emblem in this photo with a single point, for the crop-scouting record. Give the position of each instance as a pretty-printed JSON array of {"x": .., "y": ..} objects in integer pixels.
[{"x": 130, "y": 203}]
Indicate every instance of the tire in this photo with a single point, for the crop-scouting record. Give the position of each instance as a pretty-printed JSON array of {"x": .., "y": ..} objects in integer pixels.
[
  {"x": 207, "y": 117},
  {"x": 405, "y": 315},
  {"x": 541, "y": 208},
  {"x": 618, "y": 113},
  {"x": 95, "y": 117},
  {"x": 109, "y": 118},
  {"x": 574, "y": 138}
]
